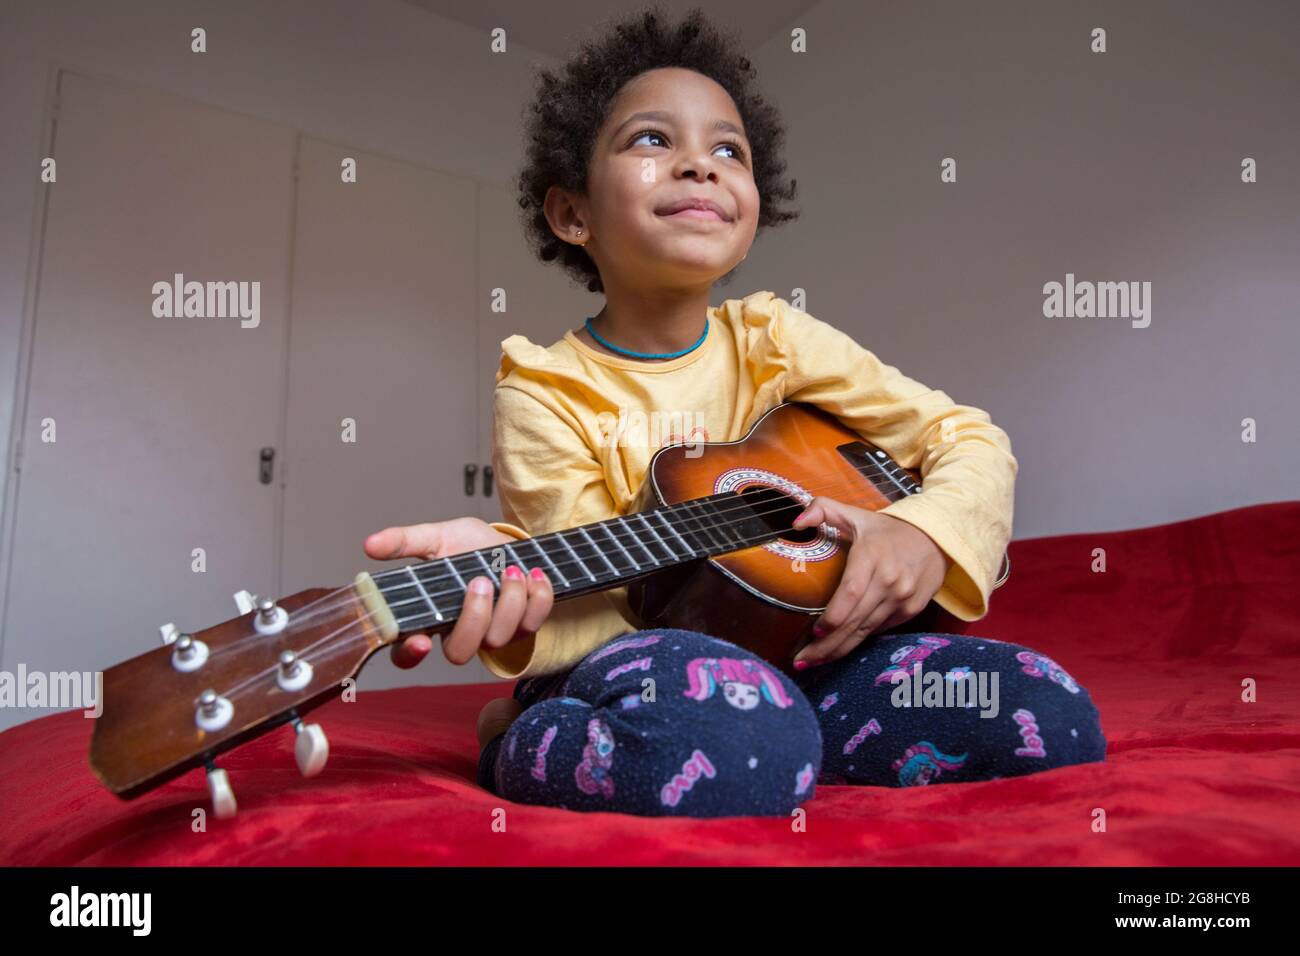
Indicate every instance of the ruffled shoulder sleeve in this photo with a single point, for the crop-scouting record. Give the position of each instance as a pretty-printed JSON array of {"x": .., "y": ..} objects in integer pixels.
[
  {"x": 551, "y": 376},
  {"x": 759, "y": 324},
  {"x": 517, "y": 351}
]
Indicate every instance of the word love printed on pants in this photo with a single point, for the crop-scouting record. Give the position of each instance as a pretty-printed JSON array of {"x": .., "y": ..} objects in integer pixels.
[
  {"x": 1029, "y": 731},
  {"x": 872, "y": 726},
  {"x": 539, "y": 760},
  {"x": 696, "y": 766}
]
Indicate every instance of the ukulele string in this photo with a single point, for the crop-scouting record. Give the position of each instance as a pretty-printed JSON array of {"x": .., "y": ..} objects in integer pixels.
[
  {"x": 297, "y": 616},
  {"x": 679, "y": 522},
  {"x": 683, "y": 520},
  {"x": 365, "y": 621},
  {"x": 751, "y": 511},
  {"x": 304, "y": 653},
  {"x": 429, "y": 585}
]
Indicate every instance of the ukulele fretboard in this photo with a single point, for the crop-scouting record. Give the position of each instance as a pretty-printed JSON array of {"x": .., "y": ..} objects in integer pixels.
[{"x": 616, "y": 551}]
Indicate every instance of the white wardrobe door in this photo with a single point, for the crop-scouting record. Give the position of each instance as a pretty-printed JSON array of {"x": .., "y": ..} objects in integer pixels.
[
  {"x": 540, "y": 303},
  {"x": 158, "y": 421},
  {"x": 383, "y": 335}
]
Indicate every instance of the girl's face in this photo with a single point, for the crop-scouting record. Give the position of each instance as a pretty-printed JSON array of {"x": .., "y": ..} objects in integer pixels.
[{"x": 692, "y": 147}]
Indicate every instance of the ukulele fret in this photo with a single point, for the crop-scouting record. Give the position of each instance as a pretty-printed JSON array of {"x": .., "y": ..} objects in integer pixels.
[
  {"x": 882, "y": 463},
  {"x": 667, "y": 550},
  {"x": 564, "y": 582},
  {"x": 688, "y": 517},
  {"x": 700, "y": 529},
  {"x": 604, "y": 526},
  {"x": 702, "y": 508},
  {"x": 637, "y": 539},
  {"x": 515, "y": 559},
  {"x": 668, "y": 525},
  {"x": 459, "y": 580},
  {"x": 487, "y": 567},
  {"x": 599, "y": 553},
  {"x": 578, "y": 560},
  {"x": 423, "y": 593}
]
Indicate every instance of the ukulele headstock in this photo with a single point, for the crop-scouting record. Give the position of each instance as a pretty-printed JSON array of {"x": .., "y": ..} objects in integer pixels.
[{"x": 176, "y": 707}]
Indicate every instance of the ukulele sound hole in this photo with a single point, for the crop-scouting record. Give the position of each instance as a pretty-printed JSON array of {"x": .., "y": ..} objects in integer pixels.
[{"x": 777, "y": 511}]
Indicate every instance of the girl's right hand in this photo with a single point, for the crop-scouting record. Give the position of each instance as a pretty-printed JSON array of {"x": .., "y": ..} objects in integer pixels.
[{"x": 521, "y": 608}]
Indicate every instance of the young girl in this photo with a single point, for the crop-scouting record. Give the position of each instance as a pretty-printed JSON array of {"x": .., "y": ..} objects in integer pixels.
[{"x": 652, "y": 163}]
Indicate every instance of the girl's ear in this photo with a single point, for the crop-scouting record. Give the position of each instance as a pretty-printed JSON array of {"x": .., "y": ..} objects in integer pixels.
[{"x": 564, "y": 217}]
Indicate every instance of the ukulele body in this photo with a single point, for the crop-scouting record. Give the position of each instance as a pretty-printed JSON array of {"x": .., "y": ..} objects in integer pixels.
[{"x": 765, "y": 598}]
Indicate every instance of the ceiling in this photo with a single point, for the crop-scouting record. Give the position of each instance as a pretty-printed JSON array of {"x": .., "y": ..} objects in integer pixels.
[{"x": 554, "y": 28}]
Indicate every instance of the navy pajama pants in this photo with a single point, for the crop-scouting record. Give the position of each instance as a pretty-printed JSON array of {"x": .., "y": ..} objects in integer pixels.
[{"x": 668, "y": 722}]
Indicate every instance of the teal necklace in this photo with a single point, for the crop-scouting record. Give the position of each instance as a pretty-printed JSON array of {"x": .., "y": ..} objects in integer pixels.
[{"x": 649, "y": 355}]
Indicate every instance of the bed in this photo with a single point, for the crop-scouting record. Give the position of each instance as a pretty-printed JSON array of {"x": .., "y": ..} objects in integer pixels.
[{"x": 1163, "y": 640}]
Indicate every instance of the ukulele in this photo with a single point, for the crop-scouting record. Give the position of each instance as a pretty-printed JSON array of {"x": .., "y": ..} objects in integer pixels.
[{"x": 706, "y": 546}]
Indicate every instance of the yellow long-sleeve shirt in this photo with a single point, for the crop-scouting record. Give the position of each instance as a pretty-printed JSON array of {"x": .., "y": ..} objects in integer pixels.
[{"x": 561, "y": 459}]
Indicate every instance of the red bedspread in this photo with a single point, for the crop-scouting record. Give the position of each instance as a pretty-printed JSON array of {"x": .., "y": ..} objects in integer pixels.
[{"x": 1163, "y": 640}]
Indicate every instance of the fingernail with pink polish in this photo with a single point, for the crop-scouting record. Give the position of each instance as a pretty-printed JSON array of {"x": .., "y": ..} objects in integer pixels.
[{"x": 800, "y": 665}]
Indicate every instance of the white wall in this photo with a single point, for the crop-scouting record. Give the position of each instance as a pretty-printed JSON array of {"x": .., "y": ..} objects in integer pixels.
[
  {"x": 384, "y": 76},
  {"x": 1120, "y": 166}
]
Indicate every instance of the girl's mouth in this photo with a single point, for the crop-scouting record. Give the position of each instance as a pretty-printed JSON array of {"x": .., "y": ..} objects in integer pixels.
[
  {"x": 694, "y": 208},
  {"x": 707, "y": 214}
]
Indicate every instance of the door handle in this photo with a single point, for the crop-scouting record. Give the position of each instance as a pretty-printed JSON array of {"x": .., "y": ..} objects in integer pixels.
[
  {"x": 487, "y": 481},
  {"x": 470, "y": 470},
  {"x": 266, "y": 465}
]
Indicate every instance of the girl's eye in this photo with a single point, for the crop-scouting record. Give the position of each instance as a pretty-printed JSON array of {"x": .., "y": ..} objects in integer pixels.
[
  {"x": 740, "y": 150},
  {"x": 731, "y": 143},
  {"x": 647, "y": 132}
]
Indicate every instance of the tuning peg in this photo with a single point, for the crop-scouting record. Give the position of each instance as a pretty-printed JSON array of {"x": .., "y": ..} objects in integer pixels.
[
  {"x": 213, "y": 712},
  {"x": 189, "y": 655},
  {"x": 293, "y": 674},
  {"x": 169, "y": 633},
  {"x": 311, "y": 749},
  {"x": 244, "y": 601},
  {"x": 223, "y": 798},
  {"x": 270, "y": 618}
]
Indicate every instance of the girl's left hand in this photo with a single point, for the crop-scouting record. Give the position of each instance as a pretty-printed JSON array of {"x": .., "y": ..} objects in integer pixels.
[{"x": 892, "y": 571}]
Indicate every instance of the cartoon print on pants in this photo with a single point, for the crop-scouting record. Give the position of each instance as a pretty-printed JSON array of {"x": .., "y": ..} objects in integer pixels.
[
  {"x": 744, "y": 682},
  {"x": 1036, "y": 665},
  {"x": 923, "y": 762},
  {"x": 909, "y": 654},
  {"x": 593, "y": 773},
  {"x": 804, "y": 779}
]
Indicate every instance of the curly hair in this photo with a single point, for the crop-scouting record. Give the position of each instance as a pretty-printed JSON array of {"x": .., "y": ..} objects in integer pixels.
[{"x": 569, "y": 108}]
